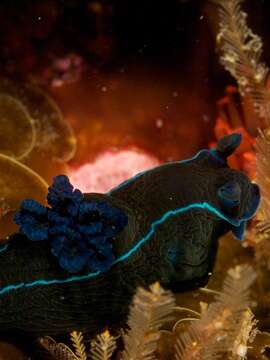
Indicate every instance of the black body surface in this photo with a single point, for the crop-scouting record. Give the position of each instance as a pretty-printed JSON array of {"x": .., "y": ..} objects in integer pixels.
[{"x": 173, "y": 246}]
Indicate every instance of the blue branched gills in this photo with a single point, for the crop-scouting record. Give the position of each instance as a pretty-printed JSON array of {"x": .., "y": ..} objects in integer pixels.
[{"x": 78, "y": 232}]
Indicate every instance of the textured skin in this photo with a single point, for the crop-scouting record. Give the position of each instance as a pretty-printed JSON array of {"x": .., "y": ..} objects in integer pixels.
[{"x": 179, "y": 255}]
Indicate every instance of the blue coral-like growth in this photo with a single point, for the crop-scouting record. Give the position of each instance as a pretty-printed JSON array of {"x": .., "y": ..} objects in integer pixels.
[
  {"x": 80, "y": 232},
  {"x": 63, "y": 197},
  {"x": 32, "y": 220}
]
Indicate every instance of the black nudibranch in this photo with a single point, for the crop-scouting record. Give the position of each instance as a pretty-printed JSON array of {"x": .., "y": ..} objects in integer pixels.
[{"x": 77, "y": 263}]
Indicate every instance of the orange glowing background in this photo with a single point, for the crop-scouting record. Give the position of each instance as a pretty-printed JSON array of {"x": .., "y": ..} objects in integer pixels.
[
  {"x": 161, "y": 120},
  {"x": 137, "y": 89}
]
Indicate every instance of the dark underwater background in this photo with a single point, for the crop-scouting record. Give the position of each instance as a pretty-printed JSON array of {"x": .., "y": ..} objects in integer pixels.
[{"x": 139, "y": 83}]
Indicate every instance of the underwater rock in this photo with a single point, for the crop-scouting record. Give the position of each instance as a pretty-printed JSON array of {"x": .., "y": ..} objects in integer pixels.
[{"x": 76, "y": 264}]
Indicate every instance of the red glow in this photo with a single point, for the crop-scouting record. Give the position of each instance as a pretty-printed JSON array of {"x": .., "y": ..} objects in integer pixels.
[{"x": 110, "y": 169}]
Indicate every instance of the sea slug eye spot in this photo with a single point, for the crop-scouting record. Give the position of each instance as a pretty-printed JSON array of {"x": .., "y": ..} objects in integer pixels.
[{"x": 229, "y": 195}]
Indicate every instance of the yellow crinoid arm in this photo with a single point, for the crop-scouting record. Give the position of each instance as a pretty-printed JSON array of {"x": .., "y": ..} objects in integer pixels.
[
  {"x": 54, "y": 135},
  {"x": 17, "y": 130},
  {"x": 17, "y": 182}
]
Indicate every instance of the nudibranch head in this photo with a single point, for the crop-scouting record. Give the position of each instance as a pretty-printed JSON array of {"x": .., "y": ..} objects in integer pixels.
[
  {"x": 238, "y": 199},
  {"x": 237, "y": 196}
]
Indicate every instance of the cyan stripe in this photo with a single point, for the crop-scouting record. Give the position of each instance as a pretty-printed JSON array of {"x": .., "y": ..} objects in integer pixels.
[
  {"x": 204, "y": 205},
  {"x": 4, "y": 248}
]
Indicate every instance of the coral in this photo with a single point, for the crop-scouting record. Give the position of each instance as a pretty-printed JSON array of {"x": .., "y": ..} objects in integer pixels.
[
  {"x": 58, "y": 351},
  {"x": 51, "y": 133},
  {"x": 27, "y": 184},
  {"x": 103, "y": 346},
  {"x": 241, "y": 56},
  {"x": 63, "y": 70},
  {"x": 77, "y": 340},
  {"x": 148, "y": 312},
  {"x": 241, "y": 51},
  {"x": 263, "y": 176},
  {"x": 17, "y": 129},
  {"x": 226, "y": 328},
  {"x": 33, "y": 133},
  {"x": 111, "y": 168},
  {"x": 226, "y": 325}
]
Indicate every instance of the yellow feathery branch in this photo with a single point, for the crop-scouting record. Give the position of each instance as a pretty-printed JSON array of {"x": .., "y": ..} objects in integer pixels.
[
  {"x": 241, "y": 51},
  {"x": 103, "y": 346},
  {"x": 58, "y": 351},
  {"x": 150, "y": 309},
  {"x": 78, "y": 343},
  {"x": 246, "y": 332},
  {"x": 226, "y": 325},
  {"x": 263, "y": 170}
]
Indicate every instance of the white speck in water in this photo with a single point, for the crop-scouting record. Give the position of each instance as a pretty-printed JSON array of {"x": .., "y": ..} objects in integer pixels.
[
  {"x": 205, "y": 118},
  {"x": 159, "y": 123},
  {"x": 241, "y": 350}
]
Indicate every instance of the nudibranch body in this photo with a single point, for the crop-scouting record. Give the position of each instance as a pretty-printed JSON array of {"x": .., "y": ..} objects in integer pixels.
[{"x": 77, "y": 263}]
